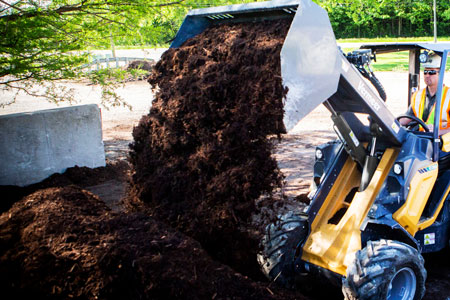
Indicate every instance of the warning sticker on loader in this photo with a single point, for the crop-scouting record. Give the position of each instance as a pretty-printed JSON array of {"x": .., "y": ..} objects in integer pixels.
[
  {"x": 395, "y": 127},
  {"x": 429, "y": 239},
  {"x": 354, "y": 139}
]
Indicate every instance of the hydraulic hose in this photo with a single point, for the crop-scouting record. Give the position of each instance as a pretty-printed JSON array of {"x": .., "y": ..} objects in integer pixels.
[
  {"x": 375, "y": 82},
  {"x": 361, "y": 60}
]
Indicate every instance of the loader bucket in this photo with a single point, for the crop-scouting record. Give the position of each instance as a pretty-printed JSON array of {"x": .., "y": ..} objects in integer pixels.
[
  {"x": 310, "y": 65},
  {"x": 197, "y": 20}
]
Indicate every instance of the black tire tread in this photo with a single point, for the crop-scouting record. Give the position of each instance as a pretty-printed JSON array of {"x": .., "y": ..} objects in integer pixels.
[
  {"x": 279, "y": 246},
  {"x": 370, "y": 273}
]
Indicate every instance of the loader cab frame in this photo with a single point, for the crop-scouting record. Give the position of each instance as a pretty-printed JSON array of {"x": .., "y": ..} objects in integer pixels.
[{"x": 415, "y": 49}]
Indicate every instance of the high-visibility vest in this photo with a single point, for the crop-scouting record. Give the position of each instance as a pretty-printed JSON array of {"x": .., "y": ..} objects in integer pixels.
[{"x": 418, "y": 106}]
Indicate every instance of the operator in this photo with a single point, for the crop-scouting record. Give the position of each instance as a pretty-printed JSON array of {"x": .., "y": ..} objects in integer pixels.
[{"x": 423, "y": 101}]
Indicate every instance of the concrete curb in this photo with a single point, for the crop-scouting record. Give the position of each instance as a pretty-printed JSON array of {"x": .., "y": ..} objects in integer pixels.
[{"x": 35, "y": 145}]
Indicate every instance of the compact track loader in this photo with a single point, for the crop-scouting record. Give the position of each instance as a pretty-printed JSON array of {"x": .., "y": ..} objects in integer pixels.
[{"x": 380, "y": 192}]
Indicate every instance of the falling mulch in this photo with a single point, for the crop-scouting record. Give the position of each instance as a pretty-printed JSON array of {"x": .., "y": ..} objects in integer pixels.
[
  {"x": 201, "y": 157},
  {"x": 65, "y": 243}
]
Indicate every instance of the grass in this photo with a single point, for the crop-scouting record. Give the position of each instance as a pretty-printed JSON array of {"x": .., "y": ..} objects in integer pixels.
[
  {"x": 395, "y": 61},
  {"x": 392, "y": 40}
]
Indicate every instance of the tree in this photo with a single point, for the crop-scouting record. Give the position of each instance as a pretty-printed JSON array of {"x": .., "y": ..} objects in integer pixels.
[
  {"x": 374, "y": 18},
  {"x": 44, "y": 41}
]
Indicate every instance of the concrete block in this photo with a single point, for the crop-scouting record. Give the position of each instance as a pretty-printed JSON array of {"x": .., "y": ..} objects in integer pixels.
[{"x": 38, "y": 144}]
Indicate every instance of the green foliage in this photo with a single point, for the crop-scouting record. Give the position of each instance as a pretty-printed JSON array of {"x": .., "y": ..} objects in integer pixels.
[
  {"x": 394, "y": 18},
  {"x": 110, "y": 79},
  {"x": 44, "y": 41}
]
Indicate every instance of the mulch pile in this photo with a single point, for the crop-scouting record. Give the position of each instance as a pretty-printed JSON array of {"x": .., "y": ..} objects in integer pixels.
[
  {"x": 201, "y": 157},
  {"x": 81, "y": 176},
  {"x": 145, "y": 65},
  {"x": 65, "y": 243}
]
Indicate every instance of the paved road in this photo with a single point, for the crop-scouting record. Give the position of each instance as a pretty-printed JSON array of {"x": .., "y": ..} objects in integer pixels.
[{"x": 153, "y": 53}]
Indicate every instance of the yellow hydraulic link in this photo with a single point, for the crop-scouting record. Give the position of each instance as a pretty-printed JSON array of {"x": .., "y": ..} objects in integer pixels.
[{"x": 332, "y": 244}]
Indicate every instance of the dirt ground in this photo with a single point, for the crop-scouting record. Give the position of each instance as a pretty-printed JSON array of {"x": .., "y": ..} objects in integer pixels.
[{"x": 294, "y": 155}]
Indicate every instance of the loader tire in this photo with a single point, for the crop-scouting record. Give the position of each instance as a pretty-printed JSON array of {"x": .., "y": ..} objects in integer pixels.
[
  {"x": 279, "y": 248},
  {"x": 383, "y": 270}
]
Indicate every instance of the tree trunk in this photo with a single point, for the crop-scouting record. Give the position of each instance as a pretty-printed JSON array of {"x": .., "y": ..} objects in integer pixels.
[
  {"x": 410, "y": 28},
  {"x": 392, "y": 27},
  {"x": 399, "y": 26}
]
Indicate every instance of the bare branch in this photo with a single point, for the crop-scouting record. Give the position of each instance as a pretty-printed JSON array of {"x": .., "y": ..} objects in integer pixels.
[
  {"x": 11, "y": 5},
  {"x": 9, "y": 81},
  {"x": 106, "y": 19},
  {"x": 82, "y": 6},
  {"x": 34, "y": 13},
  {"x": 25, "y": 90}
]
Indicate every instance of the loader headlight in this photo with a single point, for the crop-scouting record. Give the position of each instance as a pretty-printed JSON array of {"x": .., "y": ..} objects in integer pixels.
[
  {"x": 423, "y": 57},
  {"x": 319, "y": 154},
  {"x": 398, "y": 169}
]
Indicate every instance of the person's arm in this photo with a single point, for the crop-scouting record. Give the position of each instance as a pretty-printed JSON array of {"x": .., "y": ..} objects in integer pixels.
[{"x": 444, "y": 131}]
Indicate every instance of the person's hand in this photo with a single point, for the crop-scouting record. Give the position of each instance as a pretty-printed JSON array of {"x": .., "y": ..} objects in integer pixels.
[{"x": 430, "y": 127}]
